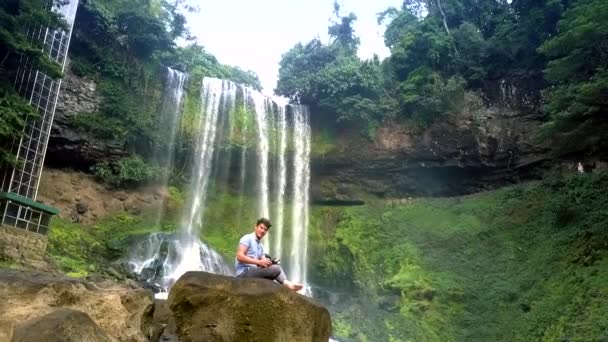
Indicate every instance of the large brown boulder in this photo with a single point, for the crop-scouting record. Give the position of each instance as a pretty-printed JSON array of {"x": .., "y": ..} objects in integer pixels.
[
  {"x": 61, "y": 325},
  {"x": 209, "y": 307},
  {"x": 29, "y": 295}
]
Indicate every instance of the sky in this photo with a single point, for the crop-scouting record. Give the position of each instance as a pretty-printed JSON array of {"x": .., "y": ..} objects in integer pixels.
[{"x": 253, "y": 34}]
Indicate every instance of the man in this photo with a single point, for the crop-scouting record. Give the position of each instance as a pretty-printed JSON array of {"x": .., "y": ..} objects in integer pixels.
[{"x": 251, "y": 261}]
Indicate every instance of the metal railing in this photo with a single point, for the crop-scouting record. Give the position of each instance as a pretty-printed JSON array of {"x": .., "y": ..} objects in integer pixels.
[{"x": 42, "y": 92}]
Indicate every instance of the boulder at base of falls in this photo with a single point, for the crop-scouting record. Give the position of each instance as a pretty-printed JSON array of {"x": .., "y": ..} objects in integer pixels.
[
  {"x": 209, "y": 307},
  {"x": 61, "y": 325}
]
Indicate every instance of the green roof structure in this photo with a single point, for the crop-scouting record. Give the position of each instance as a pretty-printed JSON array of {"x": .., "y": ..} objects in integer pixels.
[{"x": 28, "y": 202}]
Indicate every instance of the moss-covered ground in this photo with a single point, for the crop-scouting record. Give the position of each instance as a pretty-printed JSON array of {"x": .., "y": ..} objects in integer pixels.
[
  {"x": 79, "y": 250},
  {"x": 524, "y": 263}
]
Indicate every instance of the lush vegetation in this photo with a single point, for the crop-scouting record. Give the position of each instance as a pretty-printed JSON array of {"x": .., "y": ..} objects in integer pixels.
[
  {"x": 547, "y": 55},
  {"x": 525, "y": 263},
  {"x": 578, "y": 70},
  {"x": 518, "y": 264},
  {"x": 128, "y": 172},
  {"x": 522, "y": 263},
  {"x": 100, "y": 248},
  {"x": 332, "y": 79},
  {"x": 121, "y": 45}
]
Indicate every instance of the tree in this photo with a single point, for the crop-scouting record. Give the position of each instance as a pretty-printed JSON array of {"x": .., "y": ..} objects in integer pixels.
[
  {"x": 343, "y": 88},
  {"x": 342, "y": 32},
  {"x": 578, "y": 70},
  {"x": 299, "y": 69}
]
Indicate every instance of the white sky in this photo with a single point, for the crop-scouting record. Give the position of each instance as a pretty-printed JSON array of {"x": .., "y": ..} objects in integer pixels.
[{"x": 253, "y": 34}]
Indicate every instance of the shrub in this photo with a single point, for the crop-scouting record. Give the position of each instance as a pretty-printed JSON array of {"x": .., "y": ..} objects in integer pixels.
[{"x": 129, "y": 171}]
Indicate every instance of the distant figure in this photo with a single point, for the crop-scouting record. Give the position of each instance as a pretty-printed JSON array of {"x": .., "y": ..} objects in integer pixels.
[
  {"x": 252, "y": 262},
  {"x": 580, "y": 168}
]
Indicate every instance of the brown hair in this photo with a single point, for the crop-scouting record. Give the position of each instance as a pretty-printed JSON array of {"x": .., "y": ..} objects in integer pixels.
[{"x": 264, "y": 221}]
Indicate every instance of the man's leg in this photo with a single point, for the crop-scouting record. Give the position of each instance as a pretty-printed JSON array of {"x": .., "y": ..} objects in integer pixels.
[
  {"x": 282, "y": 278},
  {"x": 274, "y": 272},
  {"x": 270, "y": 273}
]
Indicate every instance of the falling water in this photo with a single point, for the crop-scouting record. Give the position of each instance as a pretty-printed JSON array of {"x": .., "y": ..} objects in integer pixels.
[
  {"x": 188, "y": 250},
  {"x": 159, "y": 259},
  {"x": 219, "y": 135},
  {"x": 282, "y": 175},
  {"x": 169, "y": 119},
  {"x": 212, "y": 91},
  {"x": 243, "y": 163},
  {"x": 261, "y": 116},
  {"x": 301, "y": 181},
  {"x": 222, "y": 158}
]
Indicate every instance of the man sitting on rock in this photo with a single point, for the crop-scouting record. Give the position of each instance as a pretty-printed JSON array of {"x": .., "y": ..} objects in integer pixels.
[{"x": 251, "y": 262}]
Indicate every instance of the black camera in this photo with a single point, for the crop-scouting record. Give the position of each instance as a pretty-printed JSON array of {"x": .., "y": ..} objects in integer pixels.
[{"x": 273, "y": 260}]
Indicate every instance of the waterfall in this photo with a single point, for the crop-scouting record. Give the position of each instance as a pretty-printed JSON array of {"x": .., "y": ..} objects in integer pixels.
[
  {"x": 261, "y": 117},
  {"x": 282, "y": 177},
  {"x": 211, "y": 93},
  {"x": 161, "y": 258},
  {"x": 243, "y": 163},
  {"x": 301, "y": 182},
  {"x": 188, "y": 248},
  {"x": 169, "y": 118},
  {"x": 225, "y": 127}
]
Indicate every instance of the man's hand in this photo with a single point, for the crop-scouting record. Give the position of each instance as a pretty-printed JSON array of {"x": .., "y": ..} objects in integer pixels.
[{"x": 264, "y": 262}]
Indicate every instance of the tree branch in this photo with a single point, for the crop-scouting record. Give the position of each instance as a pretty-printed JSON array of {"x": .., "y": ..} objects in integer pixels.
[
  {"x": 445, "y": 24},
  {"x": 445, "y": 20},
  {"x": 5, "y": 57}
]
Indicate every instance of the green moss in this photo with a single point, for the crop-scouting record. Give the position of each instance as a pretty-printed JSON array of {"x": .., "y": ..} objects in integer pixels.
[
  {"x": 244, "y": 133},
  {"x": 518, "y": 264},
  {"x": 322, "y": 143},
  {"x": 523, "y": 263},
  {"x": 175, "y": 203},
  {"x": 71, "y": 247},
  {"x": 10, "y": 264},
  {"x": 82, "y": 249},
  {"x": 341, "y": 328},
  {"x": 224, "y": 224}
]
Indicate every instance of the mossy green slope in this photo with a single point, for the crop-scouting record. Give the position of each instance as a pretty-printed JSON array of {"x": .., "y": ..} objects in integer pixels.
[
  {"x": 525, "y": 263},
  {"x": 79, "y": 250}
]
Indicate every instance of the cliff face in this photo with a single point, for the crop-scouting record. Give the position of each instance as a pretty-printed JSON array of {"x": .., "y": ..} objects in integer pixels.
[
  {"x": 70, "y": 146},
  {"x": 460, "y": 155},
  {"x": 470, "y": 151}
]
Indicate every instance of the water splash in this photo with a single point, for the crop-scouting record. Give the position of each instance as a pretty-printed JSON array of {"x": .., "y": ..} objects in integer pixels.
[{"x": 161, "y": 258}]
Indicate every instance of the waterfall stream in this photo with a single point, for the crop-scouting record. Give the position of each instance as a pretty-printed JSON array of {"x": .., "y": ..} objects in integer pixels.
[
  {"x": 169, "y": 118},
  {"x": 235, "y": 120}
]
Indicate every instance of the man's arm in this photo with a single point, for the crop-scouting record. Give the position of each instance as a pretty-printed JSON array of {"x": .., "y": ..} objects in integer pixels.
[{"x": 241, "y": 257}]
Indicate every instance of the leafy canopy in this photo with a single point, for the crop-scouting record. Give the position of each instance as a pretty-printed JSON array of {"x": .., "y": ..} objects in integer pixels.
[{"x": 578, "y": 71}]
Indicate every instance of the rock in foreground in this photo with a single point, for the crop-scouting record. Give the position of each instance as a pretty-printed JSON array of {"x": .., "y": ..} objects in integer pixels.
[
  {"x": 61, "y": 325},
  {"x": 209, "y": 307},
  {"x": 32, "y": 299}
]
